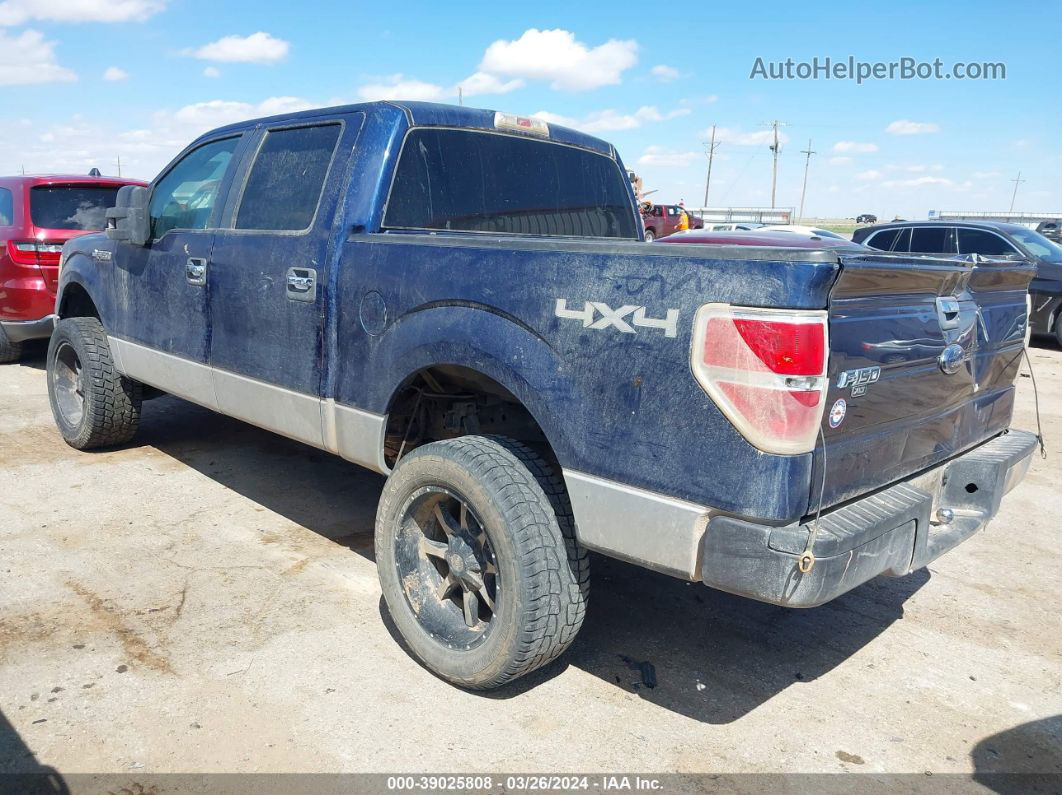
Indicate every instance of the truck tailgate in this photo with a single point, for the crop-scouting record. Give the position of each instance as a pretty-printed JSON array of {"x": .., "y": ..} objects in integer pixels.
[{"x": 924, "y": 353}]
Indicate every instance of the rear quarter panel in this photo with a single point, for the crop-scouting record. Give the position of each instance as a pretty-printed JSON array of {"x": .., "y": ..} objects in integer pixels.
[{"x": 623, "y": 406}]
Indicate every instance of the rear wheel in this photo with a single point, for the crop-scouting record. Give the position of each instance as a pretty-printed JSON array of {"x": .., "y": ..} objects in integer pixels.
[
  {"x": 93, "y": 404},
  {"x": 1058, "y": 328},
  {"x": 9, "y": 351},
  {"x": 478, "y": 562},
  {"x": 650, "y": 235}
]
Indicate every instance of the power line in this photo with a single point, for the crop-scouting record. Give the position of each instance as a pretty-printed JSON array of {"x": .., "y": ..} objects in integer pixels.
[
  {"x": 710, "y": 150},
  {"x": 803, "y": 191},
  {"x": 1017, "y": 181}
]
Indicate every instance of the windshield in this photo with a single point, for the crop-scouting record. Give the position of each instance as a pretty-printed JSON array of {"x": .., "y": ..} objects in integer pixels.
[
  {"x": 82, "y": 207},
  {"x": 464, "y": 180},
  {"x": 1038, "y": 245}
]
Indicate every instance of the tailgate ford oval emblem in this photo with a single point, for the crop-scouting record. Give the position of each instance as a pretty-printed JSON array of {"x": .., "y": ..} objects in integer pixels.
[{"x": 951, "y": 359}]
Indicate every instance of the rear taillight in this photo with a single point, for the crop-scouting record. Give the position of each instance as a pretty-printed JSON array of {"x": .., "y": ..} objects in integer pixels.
[
  {"x": 766, "y": 370},
  {"x": 33, "y": 252}
]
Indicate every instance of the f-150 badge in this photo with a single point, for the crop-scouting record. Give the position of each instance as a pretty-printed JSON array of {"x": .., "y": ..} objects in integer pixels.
[
  {"x": 859, "y": 379},
  {"x": 595, "y": 315}
]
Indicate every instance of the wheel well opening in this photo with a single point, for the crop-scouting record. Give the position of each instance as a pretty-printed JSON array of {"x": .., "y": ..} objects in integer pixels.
[
  {"x": 77, "y": 303},
  {"x": 447, "y": 401}
]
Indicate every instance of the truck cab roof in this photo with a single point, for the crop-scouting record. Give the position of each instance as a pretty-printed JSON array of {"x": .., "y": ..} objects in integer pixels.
[{"x": 426, "y": 114}]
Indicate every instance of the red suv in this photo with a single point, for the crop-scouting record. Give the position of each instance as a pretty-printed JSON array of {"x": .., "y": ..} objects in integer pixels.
[
  {"x": 661, "y": 220},
  {"x": 38, "y": 215}
]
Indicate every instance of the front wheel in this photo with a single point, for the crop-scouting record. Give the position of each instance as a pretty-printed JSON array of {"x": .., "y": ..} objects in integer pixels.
[
  {"x": 478, "y": 562},
  {"x": 650, "y": 236},
  {"x": 93, "y": 404}
]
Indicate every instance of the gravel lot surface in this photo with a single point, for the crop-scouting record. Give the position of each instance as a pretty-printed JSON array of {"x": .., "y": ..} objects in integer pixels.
[{"x": 205, "y": 599}]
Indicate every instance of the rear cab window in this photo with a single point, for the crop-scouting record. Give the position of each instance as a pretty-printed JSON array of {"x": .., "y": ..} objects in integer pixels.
[
  {"x": 80, "y": 207},
  {"x": 472, "y": 181}
]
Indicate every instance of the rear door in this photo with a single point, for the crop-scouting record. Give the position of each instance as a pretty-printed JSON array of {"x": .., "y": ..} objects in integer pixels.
[
  {"x": 924, "y": 353},
  {"x": 270, "y": 280}
]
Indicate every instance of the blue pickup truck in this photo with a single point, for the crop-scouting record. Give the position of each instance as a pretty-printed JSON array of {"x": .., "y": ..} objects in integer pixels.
[{"x": 461, "y": 300}]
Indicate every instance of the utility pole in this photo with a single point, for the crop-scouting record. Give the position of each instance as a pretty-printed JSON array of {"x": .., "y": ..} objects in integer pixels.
[
  {"x": 460, "y": 96},
  {"x": 710, "y": 149},
  {"x": 776, "y": 149},
  {"x": 1014, "y": 196},
  {"x": 803, "y": 191},
  {"x": 120, "y": 164}
]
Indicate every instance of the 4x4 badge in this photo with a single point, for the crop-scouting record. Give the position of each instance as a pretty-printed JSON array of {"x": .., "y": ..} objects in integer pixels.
[{"x": 859, "y": 379}]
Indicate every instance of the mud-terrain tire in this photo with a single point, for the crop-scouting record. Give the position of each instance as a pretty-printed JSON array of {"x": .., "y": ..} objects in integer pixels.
[
  {"x": 93, "y": 404},
  {"x": 9, "y": 351},
  {"x": 500, "y": 495}
]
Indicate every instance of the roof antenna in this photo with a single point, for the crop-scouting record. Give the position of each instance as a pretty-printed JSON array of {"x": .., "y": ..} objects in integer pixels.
[{"x": 95, "y": 173}]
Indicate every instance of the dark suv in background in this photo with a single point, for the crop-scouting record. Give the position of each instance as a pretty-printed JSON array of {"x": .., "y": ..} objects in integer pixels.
[
  {"x": 989, "y": 239},
  {"x": 37, "y": 215}
]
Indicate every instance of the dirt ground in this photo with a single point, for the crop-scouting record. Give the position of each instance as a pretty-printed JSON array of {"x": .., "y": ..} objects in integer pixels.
[{"x": 206, "y": 600}]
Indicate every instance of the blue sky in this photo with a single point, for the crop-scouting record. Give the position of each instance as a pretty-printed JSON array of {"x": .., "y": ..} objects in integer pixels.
[{"x": 651, "y": 78}]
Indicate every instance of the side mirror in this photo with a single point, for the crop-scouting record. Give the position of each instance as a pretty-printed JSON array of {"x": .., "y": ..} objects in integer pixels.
[{"x": 128, "y": 219}]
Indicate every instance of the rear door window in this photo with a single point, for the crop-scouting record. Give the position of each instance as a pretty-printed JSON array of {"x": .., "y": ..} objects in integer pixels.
[
  {"x": 82, "y": 207},
  {"x": 471, "y": 181},
  {"x": 981, "y": 241},
  {"x": 287, "y": 178},
  {"x": 7, "y": 208},
  {"x": 902, "y": 243},
  {"x": 929, "y": 240}
]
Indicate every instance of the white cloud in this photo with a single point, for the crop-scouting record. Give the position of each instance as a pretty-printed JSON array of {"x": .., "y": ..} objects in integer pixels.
[
  {"x": 914, "y": 168},
  {"x": 397, "y": 86},
  {"x": 16, "y": 12},
  {"x": 483, "y": 83},
  {"x": 855, "y": 147},
  {"x": 905, "y": 127},
  {"x": 740, "y": 138},
  {"x": 839, "y": 161},
  {"x": 113, "y": 73},
  {"x": 29, "y": 59},
  {"x": 77, "y": 144},
  {"x": 869, "y": 174},
  {"x": 665, "y": 73},
  {"x": 202, "y": 116},
  {"x": 556, "y": 56},
  {"x": 659, "y": 156},
  {"x": 986, "y": 174},
  {"x": 259, "y": 47},
  {"x": 211, "y": 71},
  {"x": 917, "y": 182},
  {"x": 611, "y": 120}
]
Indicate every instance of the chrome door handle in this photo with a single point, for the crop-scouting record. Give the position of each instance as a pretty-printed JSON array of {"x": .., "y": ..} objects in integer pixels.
[
  {"x": 302, "y": 284},
  {"x": 948, "y": 312},
  {"x": 195, "y": 271}
]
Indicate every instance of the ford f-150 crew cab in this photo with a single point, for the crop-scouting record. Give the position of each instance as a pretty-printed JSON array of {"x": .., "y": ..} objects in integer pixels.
[{"x": 459, "y": 299}]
